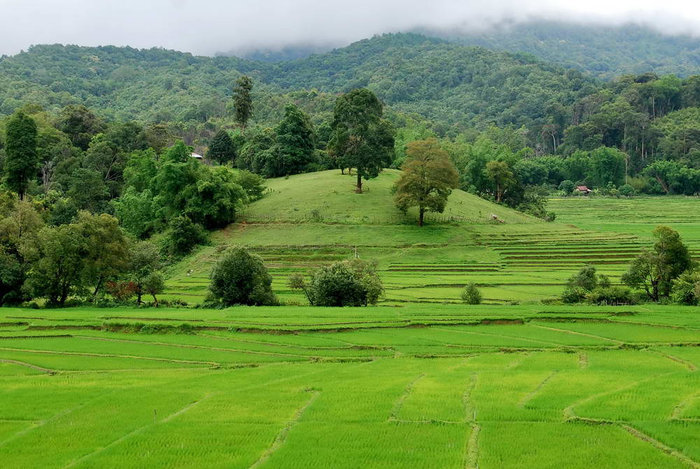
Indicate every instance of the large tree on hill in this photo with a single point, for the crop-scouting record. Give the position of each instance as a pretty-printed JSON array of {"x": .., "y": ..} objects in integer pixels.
[
  {"x": 427, "y": 180},
  {"x": 296, "y": 141},
  {"x": 361, "y": 138},
  {"x": 242, "y": 100},
  {"x": 222, "y": 149},
  {"x": 21, "y": 162},
  {"x": 654, "y": 271}
]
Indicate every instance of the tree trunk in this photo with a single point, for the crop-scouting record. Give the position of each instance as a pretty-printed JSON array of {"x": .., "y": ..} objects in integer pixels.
[
  {"x": 358, "y": 187},
  {"x": 421, "y": 212},
  {"x": 155, "y": 300}
]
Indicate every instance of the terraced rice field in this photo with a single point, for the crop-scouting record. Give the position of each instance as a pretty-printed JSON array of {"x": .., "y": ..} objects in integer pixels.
[
  {"x": 310, "y": 220},
  {"x": 434, "y": 386}
]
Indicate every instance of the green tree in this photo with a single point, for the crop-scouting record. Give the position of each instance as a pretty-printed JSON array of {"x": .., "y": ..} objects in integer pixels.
[
  {"x": 184, "y": 235},
  {"x": 222, "y": 150},
  {"x": 107, "y": 250},
  {"x": 427, "y": 180},
  {"x": 501, "y": 177},
  {"x": 19, "y": 225},
  {"x": 346, "y": 283},
  {"x": 21, "y": 159},
  {"x": 145, "y": 263},
  {"x": 361, "y": 138},
  {"x": 296, "y": 142},
  {"x": 686, "y": 288},
  {"x": 471, "y": 294},
  {"x": 240, "y": 277},
  {"x": 243, "y": 100},
  {"x": 57, "y": 268},
  {"x": 154, "y": 285},
  {"x": 608, "y": 166},
  {"x": 80, "y": 124},
  {"x": 654, "y": 271}
]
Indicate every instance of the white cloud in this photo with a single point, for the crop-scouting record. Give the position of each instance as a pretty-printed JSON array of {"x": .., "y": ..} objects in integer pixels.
[{"x": 208, "y": 26}]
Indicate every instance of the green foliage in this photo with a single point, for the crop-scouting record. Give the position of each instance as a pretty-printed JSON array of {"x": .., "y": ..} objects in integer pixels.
[
  {"x": 427, "y": 180},
  {"x": 143, "y": 268},
  {"x": 626, "y": 190},
  {"x": 586, "y": 278},
  {"x": 106, "y": 250},
  {"x": 184, "y": 235},
  {"x": 654, "y": 271},
  {"x": 57, "y": 270},
  {"x": 154, "y": 285},
  {"x": 252, "y": 184},
  {"x": 346, "y": 283},
  {"x": 242, "y": 100},
  {"x": 21, "y": 158},
  {"x": 241, "y": 278},
  {"x": 471, "y": 294},
  {"x": 80, "y": 124},
  {"x": 686, "y": 288},
  {"x": 610, "y": 296},
  {"x": 222, "y": 149},
  {"x": 296, "y": 143},
  {"x": 361, "y": 138}
]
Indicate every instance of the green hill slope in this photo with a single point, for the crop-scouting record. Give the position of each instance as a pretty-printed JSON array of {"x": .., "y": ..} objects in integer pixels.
[{"x": 329, "y": 197}]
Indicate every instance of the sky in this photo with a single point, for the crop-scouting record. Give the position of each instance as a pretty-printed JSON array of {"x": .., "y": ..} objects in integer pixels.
[{"x": 207, "y": 27}]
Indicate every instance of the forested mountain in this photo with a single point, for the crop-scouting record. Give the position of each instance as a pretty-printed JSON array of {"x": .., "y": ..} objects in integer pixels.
[
  {"x": 603, "y": 51},
  {"x": 444, "y": 82}
]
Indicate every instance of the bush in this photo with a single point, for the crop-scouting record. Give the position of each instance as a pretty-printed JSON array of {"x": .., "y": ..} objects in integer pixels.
[
  {"x": 471, "y": 295},
  {"x": 184, "y": 235},
  {"x": 686, "y": 288},
  {"x": 241, "y": 278},
  {"x": 611, "y": 296},
  {"x": 346, "y": 283},
  {"x": 574, "y": 294},
  {"x": 626, "y": 190},
  {"x": 567, "y": 187}
]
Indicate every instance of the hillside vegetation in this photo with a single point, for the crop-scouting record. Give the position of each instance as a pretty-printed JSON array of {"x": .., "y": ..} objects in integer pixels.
[
  {"x": 328, "y": 197},
  {"x": 603, "y": 51}
]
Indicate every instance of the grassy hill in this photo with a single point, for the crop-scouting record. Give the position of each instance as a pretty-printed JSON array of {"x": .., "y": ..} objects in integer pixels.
[
  {"x": 329, "y": 197},
  {"x": 309, "y": 220}
]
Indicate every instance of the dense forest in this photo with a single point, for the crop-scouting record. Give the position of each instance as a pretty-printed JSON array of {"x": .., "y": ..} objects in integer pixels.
[{"x": 603, "y": 51}]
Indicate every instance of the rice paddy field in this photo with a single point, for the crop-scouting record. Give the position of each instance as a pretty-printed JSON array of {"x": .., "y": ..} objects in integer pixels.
[
  {"x": 417, "y": 381},
  {"x": 433, "y": 386}
]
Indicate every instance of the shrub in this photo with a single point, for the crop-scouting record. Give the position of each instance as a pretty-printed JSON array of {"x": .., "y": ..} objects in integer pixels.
[
  {"x": 626, "y": 190},
  {"x": 471, "y": 294},
  {"x": 241, "y": 278},
  {"x": 611, "y": 296},
  {"x": 574, "y": 294},
  {"x": 184, "y": 235},
  {"x": 346, "y": 283},
  {"x": 567, "y": 187},
  {"x": 686, "y": 288}
]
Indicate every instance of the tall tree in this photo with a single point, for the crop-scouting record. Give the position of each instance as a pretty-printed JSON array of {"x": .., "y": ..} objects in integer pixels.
[
  {"x": 222, "y": 150},
  {"x": 242, "y": 100},
  {"x": 654, "y": 271},
  {"x": 80, "y": 124},
  {"x": 361, "y": 138},
  {"x": 501, "y": 177},
  {"x": 427, "y": 180},
  {"x": 295, "y": 141},
  {"x": 21, "y": 162}
]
